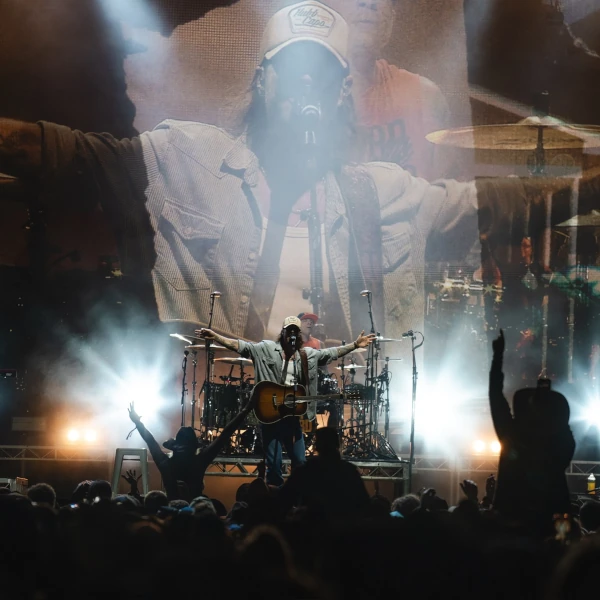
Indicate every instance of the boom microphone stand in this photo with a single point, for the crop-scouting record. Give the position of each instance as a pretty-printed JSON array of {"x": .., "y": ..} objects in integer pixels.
[{"x": 412, "y": 336}]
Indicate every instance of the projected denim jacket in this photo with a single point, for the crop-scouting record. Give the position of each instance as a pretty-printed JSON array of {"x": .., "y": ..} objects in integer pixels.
[{"x": 181, "y": 200}]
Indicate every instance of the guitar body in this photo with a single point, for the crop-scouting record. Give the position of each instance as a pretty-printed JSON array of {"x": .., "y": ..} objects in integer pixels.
[{"x": 274, "y": 402}]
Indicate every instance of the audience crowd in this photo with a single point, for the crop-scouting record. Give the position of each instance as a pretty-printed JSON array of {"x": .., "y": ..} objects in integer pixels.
[{"x": 319, "y": 535}]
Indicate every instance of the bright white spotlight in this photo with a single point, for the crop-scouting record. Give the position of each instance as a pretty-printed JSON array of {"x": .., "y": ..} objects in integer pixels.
[
  {"x": 73, "y": 435},
  {"x": 90, "y": 436},
  {"x": 495, "y": 447},
  {"x": 478, "y": 446},
  {"x": 592, "y": 415},
  {"x": 144, "y": 390}
]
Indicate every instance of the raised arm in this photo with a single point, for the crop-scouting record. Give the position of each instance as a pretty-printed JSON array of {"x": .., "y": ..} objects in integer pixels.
[
  {"x": 209, "y": 334},
  {"x": 20, "y": 148},
  {"x": 501, "y": 417},
  {"x": 158, "y": 456}
]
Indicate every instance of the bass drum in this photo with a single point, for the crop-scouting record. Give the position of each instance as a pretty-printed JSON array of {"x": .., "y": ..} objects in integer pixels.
[{"x": 328, "y": 384}]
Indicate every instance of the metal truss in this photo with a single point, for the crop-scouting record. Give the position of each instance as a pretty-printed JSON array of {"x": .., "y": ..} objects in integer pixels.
[
  {"x": 60, "y": 453},
  {"x": 242, "y": 466}
]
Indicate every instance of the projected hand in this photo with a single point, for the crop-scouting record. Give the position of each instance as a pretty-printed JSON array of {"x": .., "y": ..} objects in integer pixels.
[
  {"x": 498, "y": 344},
  {"x": 133, "y": 415},
  {"x": 205, "y": 334},
  {"x": 469, "y": 489}
]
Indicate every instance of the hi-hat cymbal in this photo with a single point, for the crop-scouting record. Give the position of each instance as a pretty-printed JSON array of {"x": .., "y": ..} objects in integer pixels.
[
  {"x": 556, "y": 135},
  {"x": 234, "y": 361},
  {"x": 590, "y": 220},
  {"x": 203, "y": 347},
  {"x": 351, "y": 366},
  {"x": 384, "y": 360}
]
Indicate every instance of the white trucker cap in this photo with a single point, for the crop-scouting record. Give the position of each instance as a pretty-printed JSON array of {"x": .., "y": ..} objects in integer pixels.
[{"x": 306, "y": 21}]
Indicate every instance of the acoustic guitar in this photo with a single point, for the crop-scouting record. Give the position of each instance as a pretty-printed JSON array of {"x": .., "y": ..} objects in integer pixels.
[{"x": 273, "y": 402}]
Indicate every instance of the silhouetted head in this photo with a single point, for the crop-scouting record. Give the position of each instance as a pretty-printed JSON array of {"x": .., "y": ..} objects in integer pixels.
[
  {"x": 154, "y": 500},
  {"x": 42, "y": 493},
  {"x": 406, "y": 505},
  {"x": 542, "y": 407},
  {"x": 327, "y": 442},
  {"x": 185, "y": 441},
  {"x": 99, "y": 489}
]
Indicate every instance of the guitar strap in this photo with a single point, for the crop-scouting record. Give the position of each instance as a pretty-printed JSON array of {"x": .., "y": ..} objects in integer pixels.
[{"x": 304, "y": 361}]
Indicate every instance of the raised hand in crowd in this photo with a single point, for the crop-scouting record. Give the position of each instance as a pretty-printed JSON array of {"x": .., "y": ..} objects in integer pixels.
[
  {"x": 498, "y": 344},
  {"x": 131, "y": 478},
  {"x": 133, "y": 414}
]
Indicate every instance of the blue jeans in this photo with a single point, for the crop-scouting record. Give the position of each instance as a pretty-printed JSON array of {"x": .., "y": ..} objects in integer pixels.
[{"x": 286, "y": 433}]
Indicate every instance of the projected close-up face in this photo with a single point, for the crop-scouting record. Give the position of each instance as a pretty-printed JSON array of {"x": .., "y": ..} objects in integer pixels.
[{"x": 303, "y": 72}]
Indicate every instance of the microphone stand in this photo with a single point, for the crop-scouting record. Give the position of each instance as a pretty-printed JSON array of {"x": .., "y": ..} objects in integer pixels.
[
  {"x": 310, "y": 113},
  {"x": 415, "y": 375},
  {"x": 208, "y": 374},
  {"x": 183, "y": 386}
]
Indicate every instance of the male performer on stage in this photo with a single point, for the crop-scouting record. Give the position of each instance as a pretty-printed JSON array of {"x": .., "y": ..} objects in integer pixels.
[{"x": 285, "y": 362}]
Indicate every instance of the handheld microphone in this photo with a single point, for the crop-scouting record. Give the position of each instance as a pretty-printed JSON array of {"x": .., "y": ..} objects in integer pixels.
[
  {"x": 409, "y": 333},
  {"x": 365, "y": 293}
]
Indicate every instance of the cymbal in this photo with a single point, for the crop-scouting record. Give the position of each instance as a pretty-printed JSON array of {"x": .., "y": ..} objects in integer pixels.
[
  {"x": 203, "y": 347},
  {"x": 180, "y": 337},
  {"x": 358, "y": 351},
  {"x": 384, "y": 339},
  {"x": 234, "y": 361},
  {"x": 351, "y": 366},
  {"x": 590, "y": 220},
  {"x": 383, "y": 360},
  {"x": 557, "y": 135}
]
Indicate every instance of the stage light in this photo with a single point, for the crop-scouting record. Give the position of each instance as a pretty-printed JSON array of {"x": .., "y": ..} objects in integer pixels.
[
  {"x": 478, "y": 446},
  {"x": 591, "y": 415},
  {"x": 73, "y": 435},
  {"x": 495, "y": 447},
  {"x": 90, "y": 436},
  {"x": 143, "y": 389}
]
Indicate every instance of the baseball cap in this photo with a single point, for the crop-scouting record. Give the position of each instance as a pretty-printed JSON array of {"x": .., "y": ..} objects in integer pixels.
[
  {"x": 306, "y": 21},
  {"x": 311, "y": 316},
  {"x": 289, "y": 321}
]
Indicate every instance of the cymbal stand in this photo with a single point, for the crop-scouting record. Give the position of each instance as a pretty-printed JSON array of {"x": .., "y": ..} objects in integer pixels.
[
  {"x": 384, "y": 379},
  {"x": 194, "y": 383}
]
